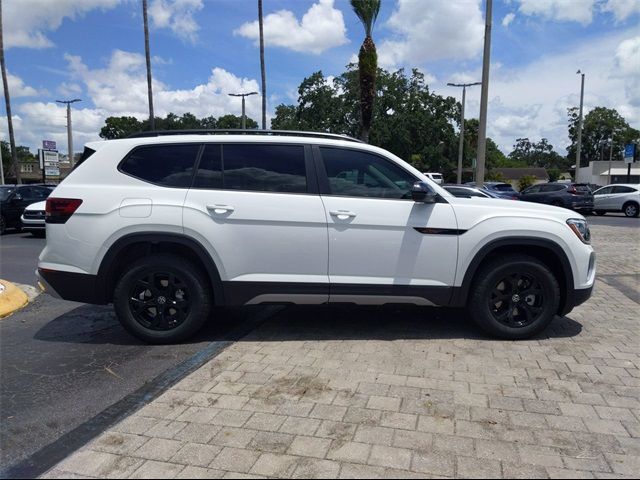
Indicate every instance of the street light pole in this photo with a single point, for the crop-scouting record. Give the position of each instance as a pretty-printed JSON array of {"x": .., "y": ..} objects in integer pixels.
[
  {"x": 69, "y": 131},
  {"x": 243, "y": 95},
  {"x": 484, "y": 96},
  {"x": 461, "y": 147},
  {"x": 579, "y": 146}
]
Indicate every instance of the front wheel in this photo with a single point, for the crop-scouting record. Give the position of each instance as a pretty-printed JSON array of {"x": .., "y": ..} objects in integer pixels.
[
  {"x": 630, "y": 209},
  {"x": 514, "y": 297},
  {"x": 162, "y": 299}
]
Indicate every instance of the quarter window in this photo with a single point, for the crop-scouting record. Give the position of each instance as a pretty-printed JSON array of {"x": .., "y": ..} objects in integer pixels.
[
  {"x": 360, "y": 174},
  {"x": 166, "y": 165},
  {"x": 621, "y": 189}
]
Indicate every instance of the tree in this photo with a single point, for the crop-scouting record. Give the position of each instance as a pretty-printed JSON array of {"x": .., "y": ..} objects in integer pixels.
[
  {"x": 120, "y": 127},
  {"x": 526, "y": 181},
  {"x": 262, "y": 68},
  {"x": 599, "y": 127},
  {"x": 538, "y": 154},
  {"x": 367, "y": 11},
  {"x": 235, "y": 121},
  {"x": 7, "y": 100},
  {"x": 148, "y": 57}
]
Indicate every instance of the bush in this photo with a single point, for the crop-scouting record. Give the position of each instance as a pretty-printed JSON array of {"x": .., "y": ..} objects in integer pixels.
[{"x": 526, "y": 181}]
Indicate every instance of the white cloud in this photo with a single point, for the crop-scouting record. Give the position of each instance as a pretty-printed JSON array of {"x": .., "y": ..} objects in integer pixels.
[
  {"x": 580, "y": 11},
  {"x": 444, "y": 30},
  {"x": 178, "y": 16},
  {"x": 508, "y": 19},
  {"x": 17, "y": 87},
  {"x": 622, "y": 9},
  {"x": 532, "y": 100},
  {"x": 120, "y": 89},
  {"x": 320, "y": 29},
  {"x": 26, "y": 22}
]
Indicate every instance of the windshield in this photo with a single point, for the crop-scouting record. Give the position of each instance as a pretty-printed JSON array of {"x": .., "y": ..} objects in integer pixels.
[{"x": 5, "y": 192}]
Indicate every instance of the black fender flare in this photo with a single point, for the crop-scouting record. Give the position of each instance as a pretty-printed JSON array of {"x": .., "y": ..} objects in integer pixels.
[
  {"x": 107, "y": 270},
  {"x": 461, "y": 294}
]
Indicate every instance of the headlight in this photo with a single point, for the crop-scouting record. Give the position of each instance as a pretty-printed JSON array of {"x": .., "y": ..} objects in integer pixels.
[{"x": 581, "y": 229}]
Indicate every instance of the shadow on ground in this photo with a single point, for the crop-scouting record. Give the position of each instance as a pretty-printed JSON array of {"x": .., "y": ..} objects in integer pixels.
[{"x": 98, "y": 325}]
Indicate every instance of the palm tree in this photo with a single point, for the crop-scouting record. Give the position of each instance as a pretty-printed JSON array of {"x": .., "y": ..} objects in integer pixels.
[
  {"x": 264, "y": 75},
  {"x": 367, "y": 11},
  {"x": 7, "y": 100},
  {"x": 152, "y": 119}
]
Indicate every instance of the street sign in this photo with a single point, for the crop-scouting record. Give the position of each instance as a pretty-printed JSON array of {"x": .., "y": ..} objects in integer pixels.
[
  {"x": 49, "y": 145},
  {"x": 51, "y": 159},
  {"x": 629, "y": 152},
  {"x": 52, "y": 171}
]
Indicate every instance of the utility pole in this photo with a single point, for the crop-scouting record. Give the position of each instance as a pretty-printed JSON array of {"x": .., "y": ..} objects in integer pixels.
[
  {"x": 461, "y": 147},
  {"x": 1, "y": 168},
  {"x": 69, "y": 134},
  {"x": 152, "y": 118},
  {"x": 579, "y": 146},
  {"x": 243, "y": 95},
  {"x": 484, "y": 96},
  {"x": 610, "y": 158}
]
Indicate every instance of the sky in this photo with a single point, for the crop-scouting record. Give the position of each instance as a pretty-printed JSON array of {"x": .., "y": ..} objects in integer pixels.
[{"x": 204, "y": 49}]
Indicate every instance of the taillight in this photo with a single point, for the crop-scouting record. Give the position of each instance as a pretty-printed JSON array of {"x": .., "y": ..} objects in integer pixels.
[
  {"x": 572, "y": 190},
  {"x": 59, "y": 210}
]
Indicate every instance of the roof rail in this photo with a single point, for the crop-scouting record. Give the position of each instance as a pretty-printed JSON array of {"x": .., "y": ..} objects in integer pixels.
[{"x": 237, "y": 131}]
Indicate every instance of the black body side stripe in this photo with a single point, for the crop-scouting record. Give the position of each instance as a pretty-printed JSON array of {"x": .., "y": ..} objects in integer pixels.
[{"x": 439, "y": 231}]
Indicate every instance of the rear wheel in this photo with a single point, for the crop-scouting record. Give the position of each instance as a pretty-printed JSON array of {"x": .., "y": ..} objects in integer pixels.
[
  {"x": 514, "y": 297},
  {"x": 162, "y": 299},
  {"x": 3, "y": 225},
  {"x": 630, "y": 209}
]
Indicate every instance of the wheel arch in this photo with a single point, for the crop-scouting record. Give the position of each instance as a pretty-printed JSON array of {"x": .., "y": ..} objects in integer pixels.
[
  {"x": 134, "y": 245},
  {"x": 547, "y": 251}
]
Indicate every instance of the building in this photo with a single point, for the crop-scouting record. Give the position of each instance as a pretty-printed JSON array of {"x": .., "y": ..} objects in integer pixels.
[
  {"x": 513, "y": 175},
  {"x": 605, "y": 172}
]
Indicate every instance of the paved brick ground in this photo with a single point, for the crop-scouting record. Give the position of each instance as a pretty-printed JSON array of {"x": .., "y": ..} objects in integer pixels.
[{"x": 384, "y": 392}]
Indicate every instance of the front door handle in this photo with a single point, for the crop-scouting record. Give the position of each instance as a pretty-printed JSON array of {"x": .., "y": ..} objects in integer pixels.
[
  {"x": 342, "y": 214},
  {"x": 220, "y": 209}
]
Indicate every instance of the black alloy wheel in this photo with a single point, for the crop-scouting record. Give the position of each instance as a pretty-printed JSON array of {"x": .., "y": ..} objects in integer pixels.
[
  {"x": 517, "y": 300},
  {"x": 160, "y": 301},
  {"x": 163, "y": 299},
  {"x": 514, "y": 296}
]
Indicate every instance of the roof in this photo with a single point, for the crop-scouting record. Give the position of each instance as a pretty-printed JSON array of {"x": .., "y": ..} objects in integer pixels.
[{"x": 518, "y": 173}]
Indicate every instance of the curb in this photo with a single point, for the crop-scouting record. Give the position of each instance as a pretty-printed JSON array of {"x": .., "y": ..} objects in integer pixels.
[{"x": 12, "y": 298}]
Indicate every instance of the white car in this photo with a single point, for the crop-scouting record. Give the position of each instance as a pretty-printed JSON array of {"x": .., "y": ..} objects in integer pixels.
[
  {"x": 622, "y": 197},
  {"x": 165, "y": 226},
  {"x": 436, "y": 177},
  {"x": 33, "y": 219}
]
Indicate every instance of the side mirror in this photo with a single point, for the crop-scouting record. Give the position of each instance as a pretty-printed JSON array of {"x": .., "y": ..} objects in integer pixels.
[{"x": 422, "y": 193}]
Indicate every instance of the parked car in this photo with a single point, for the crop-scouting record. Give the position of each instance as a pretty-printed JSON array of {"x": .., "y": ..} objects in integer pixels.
[
  {"x": 617, "y": 198},
  {"x": 33, "y": 219},
  {"x": 14, "y": 199},
  {"x": 465, "y": 191},
  {"x": 574, "y": 196},
  {"x": 163, "y": 228},
  {"x": 436, "y": 177},
  {"x": 501, "y": 189}
]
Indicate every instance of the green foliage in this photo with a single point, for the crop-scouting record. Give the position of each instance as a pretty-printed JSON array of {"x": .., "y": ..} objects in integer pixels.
[
  {"x": 537, "y": 154},
  {"x": 526, "y": 181},
  {"x": 495, "y": 176},
  {"x": 122, "y": 127},
  {"x": 599, "y": 126},
  {"x": 554, "y": 174},
  {"x": 367, "y": 11}
]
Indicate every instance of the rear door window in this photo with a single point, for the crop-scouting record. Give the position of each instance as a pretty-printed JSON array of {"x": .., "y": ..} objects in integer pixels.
[
  {"x": 166, "y": 165},
  {"x": 621, "y": 189}
]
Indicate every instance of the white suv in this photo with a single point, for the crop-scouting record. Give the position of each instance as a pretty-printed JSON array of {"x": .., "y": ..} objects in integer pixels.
[{"x": 166, "y": 226}]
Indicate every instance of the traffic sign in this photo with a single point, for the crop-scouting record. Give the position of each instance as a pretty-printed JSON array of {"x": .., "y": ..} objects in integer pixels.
[
  {"x": 629, "y": 152},
  {"x": 52, "y": 171},
  {"x": 49, "y": 145}
]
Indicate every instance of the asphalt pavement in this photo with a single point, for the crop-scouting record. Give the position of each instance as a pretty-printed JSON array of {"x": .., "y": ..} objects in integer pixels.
[{"x": 19, "y": 254}]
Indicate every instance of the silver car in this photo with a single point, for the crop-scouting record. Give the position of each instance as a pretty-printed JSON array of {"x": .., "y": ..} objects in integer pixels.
[
  {"x": 33, "y": 219},
  {"x": 622, "y": 197}
]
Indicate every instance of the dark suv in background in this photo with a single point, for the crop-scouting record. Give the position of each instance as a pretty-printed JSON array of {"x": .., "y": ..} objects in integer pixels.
[
  {"x": 14, "y": 199},
  {"x": 575, "y": 196},
  {"x": 498, "y": 189}
]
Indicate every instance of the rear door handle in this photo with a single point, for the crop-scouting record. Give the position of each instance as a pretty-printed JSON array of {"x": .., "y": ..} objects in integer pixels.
[
  {"x": 220, "y": 209},
  {"x": 342, "y": 214}
]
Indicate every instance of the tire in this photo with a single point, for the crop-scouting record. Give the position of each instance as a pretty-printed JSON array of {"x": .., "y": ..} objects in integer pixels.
[
  {"x": 511, "y": 315},
  {"x": 600, "y": 212},
  {"x": 3, "y": 225},
  {"x": 630, "y": 209},
  {"x": 147, "y": 291}
]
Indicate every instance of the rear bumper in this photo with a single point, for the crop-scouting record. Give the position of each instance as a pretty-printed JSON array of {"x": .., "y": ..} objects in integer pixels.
[{"x": 75, "y": 287}]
